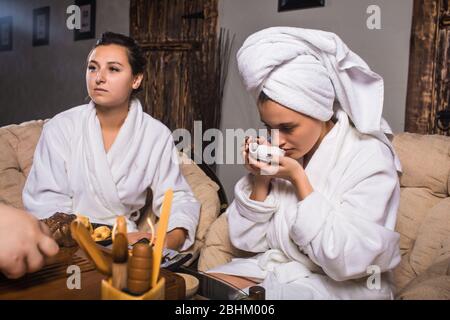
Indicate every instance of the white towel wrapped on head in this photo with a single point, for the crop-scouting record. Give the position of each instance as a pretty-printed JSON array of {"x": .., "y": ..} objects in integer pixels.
[{"x": 305, "y": 70}]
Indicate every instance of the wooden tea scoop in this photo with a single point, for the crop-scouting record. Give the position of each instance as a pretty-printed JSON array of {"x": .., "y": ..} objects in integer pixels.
[
  {"x": 82, "y": 236},
  {"x": 119, "y": 227},
  {"x": 120, "y": 258},
  {"x": 161, "y": 235}
]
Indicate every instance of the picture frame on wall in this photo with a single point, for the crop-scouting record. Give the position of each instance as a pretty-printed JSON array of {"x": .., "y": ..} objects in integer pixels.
[
  {"x": 88, "y": 18},
  {"x": 6, "y": 34},
  {"x": 287, "y": 5},
  {"x": 41, "y": 26}
]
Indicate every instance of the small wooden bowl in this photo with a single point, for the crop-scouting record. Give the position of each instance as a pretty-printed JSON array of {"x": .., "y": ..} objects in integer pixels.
[
  {"x": 192, "y": 284},
  {"x": 111, "y": 293}
]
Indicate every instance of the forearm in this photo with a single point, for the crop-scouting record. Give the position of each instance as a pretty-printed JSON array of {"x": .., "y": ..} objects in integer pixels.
[
  {"x": 302, "y": 186},
  {"x": 261, "y": 188},
  {"x": 247, "y": 234},
  {"x": 175, "y": 238},
  {"x": 249, "y": 219}
]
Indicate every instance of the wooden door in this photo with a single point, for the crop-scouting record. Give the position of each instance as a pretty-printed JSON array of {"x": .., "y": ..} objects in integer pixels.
[
  {"x": 182, "y": 78},
  {"x": 429, "y": 77}
]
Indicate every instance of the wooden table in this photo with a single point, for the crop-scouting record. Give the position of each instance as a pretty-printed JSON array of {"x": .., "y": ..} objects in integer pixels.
[{"x": 51, "y": 281}]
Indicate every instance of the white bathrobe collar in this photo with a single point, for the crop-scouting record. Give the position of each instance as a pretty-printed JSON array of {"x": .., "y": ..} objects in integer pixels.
[
  {"x": 102, "y": 165},
  {"x": 329, "y": 148}
]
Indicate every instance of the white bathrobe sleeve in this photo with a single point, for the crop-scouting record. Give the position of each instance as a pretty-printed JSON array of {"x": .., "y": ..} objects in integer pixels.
[
  {"x": 248, "y": 220},
  {"x": 346, "y": 239},
  {"x": 47, "y": 190},
  {"x": 185, "y": 210}
]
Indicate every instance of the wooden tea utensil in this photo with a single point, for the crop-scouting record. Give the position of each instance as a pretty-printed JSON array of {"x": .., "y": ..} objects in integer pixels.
[
  {"x": 161, "y": 236},
  {"x": 119, "y": 227},
  {"x": 120, "y": 258},
  {"x": 85, "y": 241},
  {"x": 139, "y": 269}
]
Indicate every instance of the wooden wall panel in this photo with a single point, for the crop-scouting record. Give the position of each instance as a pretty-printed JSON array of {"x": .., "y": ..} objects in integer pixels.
[
  {"x": 181, "y": 42},
  {"x": 428, "y": 84}
]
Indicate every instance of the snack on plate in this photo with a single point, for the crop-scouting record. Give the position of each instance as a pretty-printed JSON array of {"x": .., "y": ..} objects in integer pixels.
[
  {"x": 85, "y": 221},
  {"x": 101, "y": 233}
]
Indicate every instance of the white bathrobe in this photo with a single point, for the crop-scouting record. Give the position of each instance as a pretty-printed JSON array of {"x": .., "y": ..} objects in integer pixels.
[
  {"x": 72, "y": 173},
  {"x": 323, "y": 247}
]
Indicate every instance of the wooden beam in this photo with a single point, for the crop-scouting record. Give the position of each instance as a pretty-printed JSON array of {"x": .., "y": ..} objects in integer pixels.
[
  {"x": 420, "y": 98},
  {"x": 171, "y": 46}
]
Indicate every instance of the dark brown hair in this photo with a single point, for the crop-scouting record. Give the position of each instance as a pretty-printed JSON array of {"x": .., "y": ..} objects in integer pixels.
[{"x": 263, "y": 98}]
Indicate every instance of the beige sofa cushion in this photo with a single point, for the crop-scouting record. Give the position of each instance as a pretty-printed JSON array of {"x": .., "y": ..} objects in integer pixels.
[
  {"x": 425, "y": 160},
  {"x": 404, "y": 273},
  {"x": 17, "y": 143},
  {"x": 432, "y": 232},
  {"x": 205, "y": 191},
  {"x": 11, "y": 179},
  {"x": 444, "y": 251},
  {"x": 431, "y": 284},
  {"x": 424, "y": 185},
  {"x": 414, "y": 206},
  {"x": 218, "y": 249},
  {"x": 434, "y": 284}
]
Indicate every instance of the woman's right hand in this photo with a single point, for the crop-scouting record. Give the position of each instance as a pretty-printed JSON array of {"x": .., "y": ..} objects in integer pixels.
[{"x": 259, "y": 178}]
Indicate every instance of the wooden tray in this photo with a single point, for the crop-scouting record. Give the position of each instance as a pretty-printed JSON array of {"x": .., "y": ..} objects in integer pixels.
[{"x": 51, "y": 281}]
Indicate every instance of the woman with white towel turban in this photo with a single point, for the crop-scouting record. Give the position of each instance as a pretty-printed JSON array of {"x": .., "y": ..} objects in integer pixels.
[
  {"x": 322, "y": 224},
  {"x": 99, "y": 159}
]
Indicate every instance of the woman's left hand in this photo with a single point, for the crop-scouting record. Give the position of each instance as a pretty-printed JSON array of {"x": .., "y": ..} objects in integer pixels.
[
  {"x": 288, "y": 169},
  {"x": 280, "y": 167}
]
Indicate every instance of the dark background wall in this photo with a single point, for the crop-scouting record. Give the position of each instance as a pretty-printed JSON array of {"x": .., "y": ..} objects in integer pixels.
[{"x": 38, "y": 82}]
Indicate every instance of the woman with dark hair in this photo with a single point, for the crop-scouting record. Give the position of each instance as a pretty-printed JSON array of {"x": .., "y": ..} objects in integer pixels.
[{"x": 99, "y": 159}]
